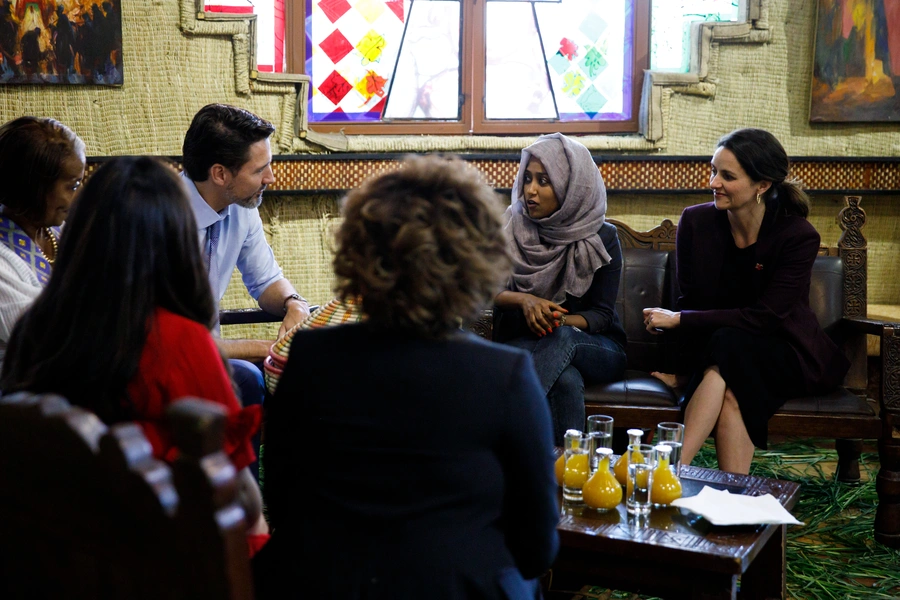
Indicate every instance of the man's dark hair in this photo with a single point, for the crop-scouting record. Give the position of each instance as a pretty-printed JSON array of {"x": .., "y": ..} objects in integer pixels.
[{"x": 221, "y": 134}]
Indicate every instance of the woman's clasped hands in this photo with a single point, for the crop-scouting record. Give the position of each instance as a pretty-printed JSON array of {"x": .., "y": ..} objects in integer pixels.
[
  {"x": 657, "y": 320},
  {"x": 541, "y": 316}
]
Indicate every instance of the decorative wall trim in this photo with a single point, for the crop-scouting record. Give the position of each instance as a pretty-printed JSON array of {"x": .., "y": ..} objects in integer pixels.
[
  {"x": 241, "y": 28},
  {"x": 621, "y": 174},
  {"x": 651, "y": 175}
]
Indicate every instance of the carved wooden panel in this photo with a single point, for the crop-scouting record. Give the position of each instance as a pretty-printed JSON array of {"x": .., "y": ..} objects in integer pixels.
[
  {"x": 661, "y": 237},
  {"x": 853, "y": 250},
  {"x": 484, "y": 326},
  {"x": 890, "y": 364}
]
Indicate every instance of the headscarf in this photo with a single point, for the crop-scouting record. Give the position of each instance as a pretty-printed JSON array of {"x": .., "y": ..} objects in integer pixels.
[{"x": 558, "y": 254}]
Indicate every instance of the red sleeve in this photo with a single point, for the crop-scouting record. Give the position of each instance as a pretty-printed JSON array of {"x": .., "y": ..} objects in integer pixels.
[{"x": 180, "y": 359}]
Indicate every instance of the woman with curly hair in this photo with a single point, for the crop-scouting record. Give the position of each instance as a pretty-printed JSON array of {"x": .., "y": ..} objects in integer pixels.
[
  {"x": 430, "y": 474},
  {"x": 561, "y": 301}
]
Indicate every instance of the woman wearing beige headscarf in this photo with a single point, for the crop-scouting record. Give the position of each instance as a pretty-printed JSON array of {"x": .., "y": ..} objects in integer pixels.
[{"x": 561, "y": 300}]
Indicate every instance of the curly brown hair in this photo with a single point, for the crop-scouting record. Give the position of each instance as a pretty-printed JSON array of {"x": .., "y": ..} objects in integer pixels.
[{"x": 423, "y": 246}]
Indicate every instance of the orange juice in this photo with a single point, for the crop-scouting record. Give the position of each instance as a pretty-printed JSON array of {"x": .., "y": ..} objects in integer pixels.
[
  {"x": 577, "y": 471},
  {"x": 602, "y": 491},
  {"x": 666, "y": 485},
  {"x": 621, "y": 466}
]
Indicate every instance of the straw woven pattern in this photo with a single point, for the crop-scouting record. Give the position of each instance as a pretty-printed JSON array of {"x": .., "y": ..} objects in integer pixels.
[
  {"x": 767, "y": 85},
  {"x": 300, "y": 231},
  {"x": 169, "y": 75}
]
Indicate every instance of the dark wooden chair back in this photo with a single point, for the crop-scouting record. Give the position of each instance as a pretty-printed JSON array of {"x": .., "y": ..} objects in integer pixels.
[{"x": 87, "y": 512}]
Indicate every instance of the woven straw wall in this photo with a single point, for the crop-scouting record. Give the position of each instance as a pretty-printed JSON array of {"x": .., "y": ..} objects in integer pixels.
[
  {"x": 300, "y": 229},
  {"x": 768, "y": 86},
  {"x": 169, "y": 75}
]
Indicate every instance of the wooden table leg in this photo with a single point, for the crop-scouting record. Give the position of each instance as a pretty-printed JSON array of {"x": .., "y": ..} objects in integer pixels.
[{"x": 765, "y": 578}]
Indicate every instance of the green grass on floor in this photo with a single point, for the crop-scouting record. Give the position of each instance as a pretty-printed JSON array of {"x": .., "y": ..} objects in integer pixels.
[{"x": 833, "y": 556}]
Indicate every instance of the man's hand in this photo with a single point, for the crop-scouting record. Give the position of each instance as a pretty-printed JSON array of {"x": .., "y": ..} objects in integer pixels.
[{"x": 297, "y": 311}]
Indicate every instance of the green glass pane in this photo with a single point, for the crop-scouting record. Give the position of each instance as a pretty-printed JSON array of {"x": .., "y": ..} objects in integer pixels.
[
  {"x": 588, "y": 52},
  {"x": 670, "y": 29}
]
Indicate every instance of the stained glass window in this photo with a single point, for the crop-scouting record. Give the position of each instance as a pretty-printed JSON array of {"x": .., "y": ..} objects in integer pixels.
[
  {"x": 389, "y": 60},
  {"x": 269, "y": 28},
  {"x": 568, "y": 60},
  {"x": 670, "y": 27}
]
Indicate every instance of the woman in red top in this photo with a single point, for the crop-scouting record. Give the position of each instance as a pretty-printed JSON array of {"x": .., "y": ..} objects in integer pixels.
[{"x": 122, "y": 328}]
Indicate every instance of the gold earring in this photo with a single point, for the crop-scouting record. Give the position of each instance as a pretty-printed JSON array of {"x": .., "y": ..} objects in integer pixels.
[{"x": 758, "y": 199}]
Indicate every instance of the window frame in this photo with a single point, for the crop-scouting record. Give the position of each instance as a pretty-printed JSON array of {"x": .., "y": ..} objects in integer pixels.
[{"x": 472, "y": 83}]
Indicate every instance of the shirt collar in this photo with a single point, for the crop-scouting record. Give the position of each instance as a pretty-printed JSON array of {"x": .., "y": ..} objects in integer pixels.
[{"x": 203, "y": 212}]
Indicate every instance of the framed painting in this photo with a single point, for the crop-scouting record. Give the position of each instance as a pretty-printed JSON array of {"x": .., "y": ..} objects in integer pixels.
[
  {"x": 61, "y": 42},
  {"x": 856, "y": 72}
]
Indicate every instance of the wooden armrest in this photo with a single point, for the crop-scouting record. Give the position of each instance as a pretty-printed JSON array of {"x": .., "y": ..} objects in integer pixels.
[
  {"x": 873, "y": 325},
  {"x": 244, "y": 316}
]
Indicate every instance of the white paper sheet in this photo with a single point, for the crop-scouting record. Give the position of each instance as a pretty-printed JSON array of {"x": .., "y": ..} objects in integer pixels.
[{"x": 720, "y": 507}]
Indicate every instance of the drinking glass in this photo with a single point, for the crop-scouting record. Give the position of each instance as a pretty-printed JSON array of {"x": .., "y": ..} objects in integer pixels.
[
  {"x": 600, "y": 428},
  {"x": 672, "y": 434},
  {"x": 577, "y": 451},
  {"x": 640, "y": 479}
]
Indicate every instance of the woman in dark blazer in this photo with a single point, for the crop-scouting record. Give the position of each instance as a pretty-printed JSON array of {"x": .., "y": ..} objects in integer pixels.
[
  {"x": 744, "y": 264},
  {"x": 403, "y": 457}
]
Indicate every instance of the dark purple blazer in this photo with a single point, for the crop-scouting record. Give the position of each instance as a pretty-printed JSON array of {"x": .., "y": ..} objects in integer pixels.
[{"x": 786, "y": 249}]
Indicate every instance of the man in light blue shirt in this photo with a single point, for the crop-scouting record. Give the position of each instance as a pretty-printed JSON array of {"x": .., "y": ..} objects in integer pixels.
[{"x": 227, "y": 166}]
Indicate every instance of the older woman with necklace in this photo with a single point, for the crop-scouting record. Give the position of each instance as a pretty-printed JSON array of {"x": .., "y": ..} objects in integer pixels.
[
  {"x": 560, "y": 304},
  {"x": 42, "y": 166}
]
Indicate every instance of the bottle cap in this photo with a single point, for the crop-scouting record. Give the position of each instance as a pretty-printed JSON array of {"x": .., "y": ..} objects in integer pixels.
[
  {"x": 604, "y": 451},
  {"x": 639, "y": 432},
  {"x": 573, "y": 433},
  {"x": 662, "y": 448}
]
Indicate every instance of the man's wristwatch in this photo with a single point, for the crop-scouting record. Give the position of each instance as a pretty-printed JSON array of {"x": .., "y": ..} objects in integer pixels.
[{"x": 292, "y": 297}]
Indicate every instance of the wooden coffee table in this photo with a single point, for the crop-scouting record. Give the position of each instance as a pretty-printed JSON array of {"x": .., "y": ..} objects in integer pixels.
[{"x": 674, "y": 553}]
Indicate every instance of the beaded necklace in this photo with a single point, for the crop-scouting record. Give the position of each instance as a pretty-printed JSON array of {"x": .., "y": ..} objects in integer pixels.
[{"x": 49, "y": 232}]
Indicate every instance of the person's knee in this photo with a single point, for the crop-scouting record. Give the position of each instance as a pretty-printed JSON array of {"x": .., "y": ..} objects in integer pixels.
[
  {"x": 570, "y": 382},
  {"x": 566, "y": 336},
  {"x": 249, "y": 380},
  {"x": 731, "y": 410}
]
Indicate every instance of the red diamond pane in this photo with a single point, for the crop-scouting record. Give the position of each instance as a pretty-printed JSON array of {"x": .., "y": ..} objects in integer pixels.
[
  {"x": 378, "y": 109},
  {"x": 334, "y": 9},
  {"x": 336, "y": 46},
  {"x": 335, "y": 87},
  {"x": 397, "y": 7}
]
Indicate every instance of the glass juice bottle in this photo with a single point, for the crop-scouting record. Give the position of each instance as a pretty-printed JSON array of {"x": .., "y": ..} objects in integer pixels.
[
  {"x": 577, "y": 465},
  {"x": 621, "y": 466},
  {"x": 602, "y": 492},
  {"x": 666, "y": 486}
]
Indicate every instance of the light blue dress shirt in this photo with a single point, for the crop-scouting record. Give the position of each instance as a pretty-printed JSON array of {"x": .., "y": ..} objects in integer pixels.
[{"x": 242, "y": 244}]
